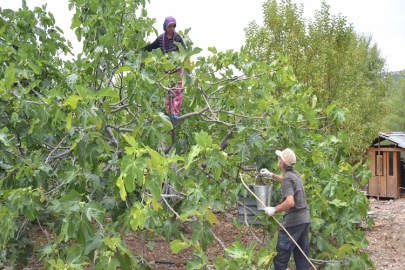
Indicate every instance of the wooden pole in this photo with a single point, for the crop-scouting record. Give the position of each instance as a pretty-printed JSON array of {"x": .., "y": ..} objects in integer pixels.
[
  {"x": 303, "y": 253},
  {"x": 379, "y": 162}
]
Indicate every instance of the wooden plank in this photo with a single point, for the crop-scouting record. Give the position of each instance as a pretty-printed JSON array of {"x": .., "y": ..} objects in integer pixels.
[
  {"x": 372, "y": 164},
  {"x": 399, "y": 177},
  {"x": 250, "y": 220},
  {"x": 391, "y": 179},
  {"x": 397, "y": 169},
  {"x": 253, "y": 207},
  {"x": 372, "y": 184},
  {"x": 250, "y": 202},
  {"x": 383, "y": 177},
  {"x": 248, "y": 212},
  {"x": 389, "y": 149},
  {"x": 380, "y": 164},
  {"x": 251, "y": 217}
]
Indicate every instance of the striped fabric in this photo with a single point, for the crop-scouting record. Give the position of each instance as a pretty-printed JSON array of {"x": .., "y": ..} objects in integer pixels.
[
  {"x": 166, "y": 44},
  {"x": 170, "y": 46}
]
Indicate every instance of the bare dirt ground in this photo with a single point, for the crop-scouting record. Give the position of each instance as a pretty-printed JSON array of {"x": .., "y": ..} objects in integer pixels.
[
  {"x": 386, "y": 249},
  {"x": 387, "y": 237},
  {"x": 224, "y": 231}
]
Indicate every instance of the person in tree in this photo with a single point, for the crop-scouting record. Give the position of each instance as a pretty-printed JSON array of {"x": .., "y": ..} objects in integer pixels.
[
  {"x": 296, "y": 213},
  {"x": 166, "y": 42}
]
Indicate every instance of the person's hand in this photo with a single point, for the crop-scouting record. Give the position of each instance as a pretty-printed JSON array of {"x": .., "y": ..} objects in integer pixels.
[
  {"x": 266, "y": 173},
  {"x": 270, "y": 210}
]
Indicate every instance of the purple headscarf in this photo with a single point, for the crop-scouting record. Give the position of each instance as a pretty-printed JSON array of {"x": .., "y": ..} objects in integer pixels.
[{"x": 168, "y": 21}]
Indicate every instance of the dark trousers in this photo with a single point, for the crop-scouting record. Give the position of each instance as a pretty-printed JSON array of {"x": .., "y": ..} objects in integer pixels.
[{"x": 285, "y": 246}]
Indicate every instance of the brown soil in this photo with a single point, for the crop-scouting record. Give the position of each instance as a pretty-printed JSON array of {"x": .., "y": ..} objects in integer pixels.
[
  {"x": 387, "y": 237},
  {"x": 386, "y": 249},
  {"x": 224, "y": 230}
]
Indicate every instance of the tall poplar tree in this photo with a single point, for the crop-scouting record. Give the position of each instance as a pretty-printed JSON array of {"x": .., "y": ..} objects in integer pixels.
[
  {"x": 329, "y": 57},
  {"x": 395, "y": 119}
]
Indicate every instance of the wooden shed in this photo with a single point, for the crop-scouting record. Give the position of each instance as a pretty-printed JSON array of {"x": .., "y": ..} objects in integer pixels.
[{"x": 388, "y": 168}]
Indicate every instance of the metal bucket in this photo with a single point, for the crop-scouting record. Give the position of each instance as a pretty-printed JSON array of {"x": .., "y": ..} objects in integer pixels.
[{"x": 264, "y": 194}]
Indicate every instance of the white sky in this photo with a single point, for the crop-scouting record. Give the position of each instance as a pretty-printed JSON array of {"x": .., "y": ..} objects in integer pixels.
[{"x": 220, "y": 23}]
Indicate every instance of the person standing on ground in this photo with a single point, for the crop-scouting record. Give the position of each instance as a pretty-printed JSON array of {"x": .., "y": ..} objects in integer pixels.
[
  {"x": 166, "y": 42},
  {"x": 296, "y": 213}
]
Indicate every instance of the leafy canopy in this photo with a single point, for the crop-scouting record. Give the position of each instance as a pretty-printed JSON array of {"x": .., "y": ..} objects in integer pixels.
[{"x": 88, "y": 151}]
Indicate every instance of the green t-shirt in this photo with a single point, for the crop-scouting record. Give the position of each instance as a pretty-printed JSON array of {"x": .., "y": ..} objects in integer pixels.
[{"x": 292, "y": 185}]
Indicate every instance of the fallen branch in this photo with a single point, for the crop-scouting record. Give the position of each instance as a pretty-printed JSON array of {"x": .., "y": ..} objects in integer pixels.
[
  {"x": 219, "y": 241},
  {"x": 323, "y": 262},
  {"x": 247, "y": 224}
]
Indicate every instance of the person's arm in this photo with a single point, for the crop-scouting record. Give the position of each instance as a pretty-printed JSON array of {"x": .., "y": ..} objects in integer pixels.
[
  {"x": 286, "y": 205},
  {"x": 152, "y": 46},
  {"x": 278, "y": 178}
]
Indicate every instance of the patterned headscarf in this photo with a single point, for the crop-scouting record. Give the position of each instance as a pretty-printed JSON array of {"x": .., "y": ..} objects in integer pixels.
[{"x": 168, "y": 21}]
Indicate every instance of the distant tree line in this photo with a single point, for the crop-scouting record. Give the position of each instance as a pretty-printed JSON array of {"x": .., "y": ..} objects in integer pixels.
[{"x": 395, "y": 119}]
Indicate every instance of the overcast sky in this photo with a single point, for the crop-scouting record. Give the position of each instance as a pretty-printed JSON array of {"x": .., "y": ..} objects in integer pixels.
[{"x": 220, "y": 23}]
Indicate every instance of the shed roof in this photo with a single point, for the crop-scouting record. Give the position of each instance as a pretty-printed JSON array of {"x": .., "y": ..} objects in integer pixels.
[{"x": 396, "y": 137}]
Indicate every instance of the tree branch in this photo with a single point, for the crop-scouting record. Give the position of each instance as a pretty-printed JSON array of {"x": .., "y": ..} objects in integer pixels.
[
  {"x": 247, "y": 224},
  {"x": 184, "y": 116},
  {"x": 33, "y": 102},
  {"x": 208, "y": 174},
  {"x": 119, "y": 129},
  {"x": 208, "y": 105},
  {"x": 236, "y": 80},
  {"x": 248, "y": 168},
  {"x": 209, "y": 119},
  {"x": 171, "y": 209},
  {"x": 240, "y": 115},
  {"x": 111, "y": 135},
  {"x": 47, "y": 160},
  {"x": 11, "y": 153},
  {"x": 318, "y": 118},
  {"x": 60, "y": 155},
  {"x": 55, "y": 189}
]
